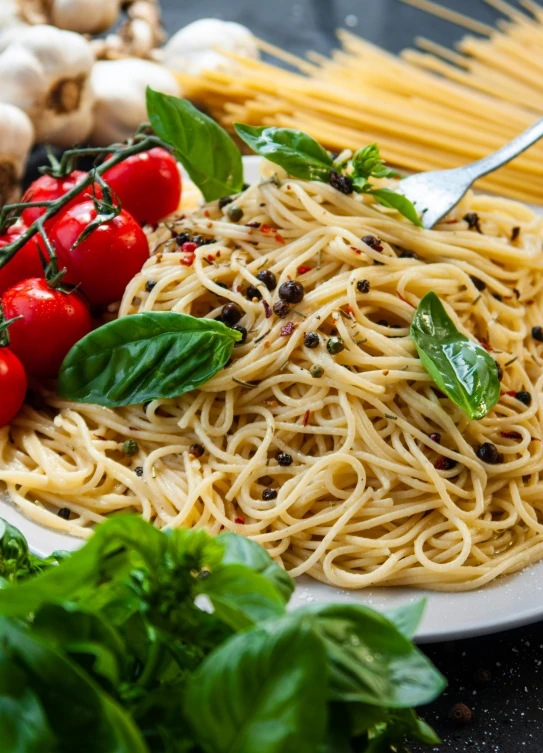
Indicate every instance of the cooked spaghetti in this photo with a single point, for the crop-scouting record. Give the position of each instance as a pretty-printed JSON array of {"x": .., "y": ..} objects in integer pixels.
[{"x": 351, "y": 466}]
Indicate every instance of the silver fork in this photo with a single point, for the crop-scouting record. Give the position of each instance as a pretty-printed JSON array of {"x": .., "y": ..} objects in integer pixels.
[{"x": 434, "y": 194}]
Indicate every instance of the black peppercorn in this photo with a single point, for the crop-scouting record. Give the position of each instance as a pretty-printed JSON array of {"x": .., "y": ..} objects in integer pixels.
[
  {"x": 335, "y": 345},
  {"x": 488, "y": 453},
  {"x": 283, "y": 458},
  {"x": 436, "y": 437},
  {"x": 138, "y": 470},
  {"x": 460, "y": 714},
  {"x": 537, "y": 334},
  {"x": 479, "y": 284},
  {"x": 482, "y": 677},
  {"x": 182, "y": 238},
  {"x": 253, "y": 292},
  {"x": 222, "y": 285},
  {"x": 372, "y": 242},
  {"x": 311, "y": 340},
  {"x": 268, "y": 278},
  {"x": 524, "y": 397},
  {"x": 341, "y": 182},
  {"x": 316, "y": 371},
  {"x": 281, "y": 309},
  {"x": 230, "y": 314},
  {"x": 234, "y": 213},
  {"x": 243, "y": 330},
  {"x": 225, "y": 201},
  {"x": 472, "y": 218},
  {"x": 408, "y": 255},
  {"x": 64, "y": 513},
  {"x": 130, "y": 447},
  {"x": 291, "y": 291},
  {"x": 500, "y": 371},
  {"x": 196, "y": 450},
  {"x": 269, "y": 494},
  {"x": 444, "y": 463},
  {"x": 149, "y": 285},
  {"x": 199, "y": 240},
  {"x": 497, "y": 296},
  {"x": 363, "y": 286},
  {"x": 383, "y": 323}
]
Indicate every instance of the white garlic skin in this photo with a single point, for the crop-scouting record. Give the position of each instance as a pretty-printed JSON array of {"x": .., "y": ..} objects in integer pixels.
[
  {"x": 192, "y": 48},
  {"x": 16, "y": 139},
  {"x": 119, "y": 89},
  {"x": 84, "y": 16},
  {"x": 46, "y": 72}
]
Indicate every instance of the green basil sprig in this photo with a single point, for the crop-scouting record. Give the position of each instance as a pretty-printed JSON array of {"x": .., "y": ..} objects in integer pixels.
[
  {"x": 158, "y": 354},
  {"x": 296, "y": 152},
  {"x": 463, "y": 370},
  {"x": 204, "y": 149}
]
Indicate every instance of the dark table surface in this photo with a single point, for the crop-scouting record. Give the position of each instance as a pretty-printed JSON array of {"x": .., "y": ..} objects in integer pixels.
[{"x": 499, "y": 677}]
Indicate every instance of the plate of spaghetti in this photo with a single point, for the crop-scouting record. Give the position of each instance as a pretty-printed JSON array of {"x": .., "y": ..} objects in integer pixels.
[{"x": 340, "y": 430}]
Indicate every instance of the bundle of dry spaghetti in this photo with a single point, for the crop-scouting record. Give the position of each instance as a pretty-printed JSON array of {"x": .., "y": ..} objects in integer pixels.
[
  {"x": 427, "y": 111},
  {"x": 346, "y": 464}
]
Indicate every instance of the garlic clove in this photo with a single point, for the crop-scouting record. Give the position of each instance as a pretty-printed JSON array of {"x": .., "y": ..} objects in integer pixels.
[
  {"x": 119, "y": 88},
  {"x": 46, "y": 72},
  {"x": 16, "y": 138},
  {"x": 84, "y": 16},
  {"x": 192, "y": 48}
]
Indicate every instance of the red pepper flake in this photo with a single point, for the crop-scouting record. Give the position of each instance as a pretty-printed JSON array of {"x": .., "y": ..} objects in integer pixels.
[
  {"x": 530, "y": 303},
  {"x": 99, "y": 436},
  {"x": 303, "y": 269},
  {"x": 238, "y": 288},
  {"x": 279, "y": 238},
  {"x": 348, "y": 310},
  {"x": 206, "y": 213},
  {"x": 188, "y": 260},
  {"x": 306, "y": 418},
  {"x": 511, "y": 393},
  {"x": 356, "y": 250},
  {"x": 267, "y": 229},
  {"x": 511, "y": 434},
  {"x": 405, "y": 300},
  {"x": 253, "y": 224},
  {"x": 288, "y": 329},
  {"x": 450, "y": 222},
  {"x": 189, "y": 247},
  {"x": 218, "y": 254},
  {"x": 267, "y": 309},
  {"x": 210, "y": 257},
  {"x": 240, "y": 520},
  {"x": 485, "y": 345}
]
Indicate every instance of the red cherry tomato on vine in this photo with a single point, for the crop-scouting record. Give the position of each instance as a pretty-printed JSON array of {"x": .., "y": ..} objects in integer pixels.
[
  {"x": 26, "y": 262},
  {"x": 12, "y": 386},
  {"x": 52, "y": 323},
  {"x": 48, "y": 188},
  {"x": 148, "y": 185},
  {"x": 105, "y": 262}
]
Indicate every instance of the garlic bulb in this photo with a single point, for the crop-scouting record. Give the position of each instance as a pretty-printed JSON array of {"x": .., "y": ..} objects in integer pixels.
[
  {"x": 9, "y": 15},
  {"x": 84, "y": 16},
  {"x": 16, "y": 137},
  {"x": 192, "y": 49},
  {"x": 45, "y": 72},
  {"x": 119, "y": 88}
]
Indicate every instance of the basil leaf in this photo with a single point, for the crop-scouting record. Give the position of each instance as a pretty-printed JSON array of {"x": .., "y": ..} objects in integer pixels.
[
  {"x": 370, "y": 660},
  {"x": 241, "y": 597},
  {"x": 141, "y": 357},
  {"x": 367, "y": 163},
  {"x": 204, "y": 149},
  {"x": 261, "y": 691},
  {"x": 296, "y": 152},
  {"x": 461, "y": 369},
  {"x": 393, "y": 200},
  {"x": 407, "y": 618},
  {"x": 246, "y": 552}
]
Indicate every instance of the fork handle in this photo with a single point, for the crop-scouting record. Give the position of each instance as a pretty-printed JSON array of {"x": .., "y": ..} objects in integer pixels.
[{"x": 508, "y": 152}]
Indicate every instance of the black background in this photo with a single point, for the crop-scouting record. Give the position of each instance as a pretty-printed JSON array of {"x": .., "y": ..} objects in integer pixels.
[{"x": 507, "y": 711}]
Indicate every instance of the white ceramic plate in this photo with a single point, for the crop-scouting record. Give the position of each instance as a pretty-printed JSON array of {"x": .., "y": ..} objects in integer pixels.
[{"x": 508, "y": 602}]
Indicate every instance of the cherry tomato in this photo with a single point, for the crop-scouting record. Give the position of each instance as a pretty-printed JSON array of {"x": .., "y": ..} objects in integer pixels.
[
  {"x": 12, "y": 385},
  {"x": 52, "y": 323},
  {"x": 105, "y": 262},
  {"x": 26, "y": 262},
  {"x": 148, "y": 185},
  {"x": 47, "y": 188}
]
